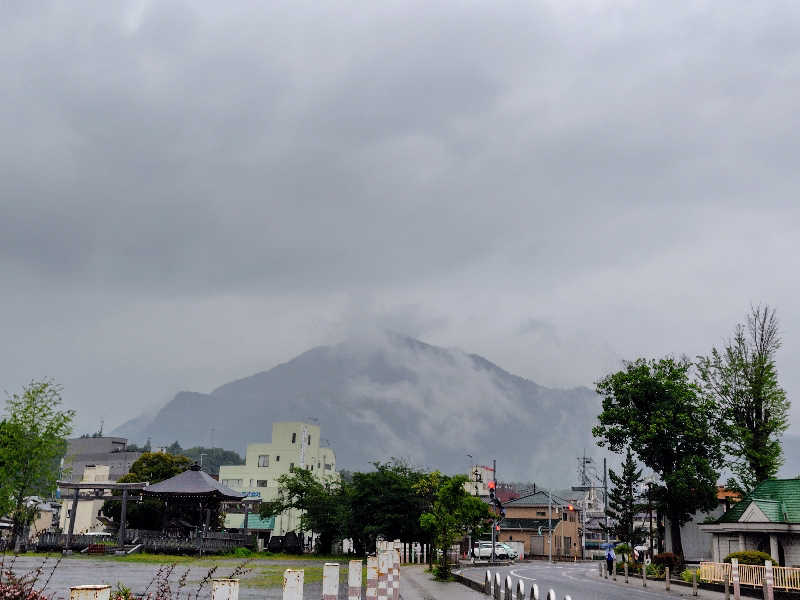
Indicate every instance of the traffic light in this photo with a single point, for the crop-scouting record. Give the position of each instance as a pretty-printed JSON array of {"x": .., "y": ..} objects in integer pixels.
[
  {"x": 492, "y": 497},
  {"x": 570, "y": 507}
]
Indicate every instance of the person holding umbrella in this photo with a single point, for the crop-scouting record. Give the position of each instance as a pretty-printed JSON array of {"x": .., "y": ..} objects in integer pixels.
[{"x": 610, "y": 557}]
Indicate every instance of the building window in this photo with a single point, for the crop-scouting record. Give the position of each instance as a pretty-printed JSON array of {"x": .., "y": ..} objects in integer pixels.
[
  {"x": 309, "y": 440},
  {"x": 328, "y": 466},
  {"x": 540, "y": 513},
  {"x": 263, "y": 460},
  {"x": 232, "y": 483},
  {"x": 262, "y": 483},
  {"x": 294, "y": 438},
  {"x": 319, "y": 465},
  {"x": 291, "y": 466},
  {"x": 277, "y": 458}
]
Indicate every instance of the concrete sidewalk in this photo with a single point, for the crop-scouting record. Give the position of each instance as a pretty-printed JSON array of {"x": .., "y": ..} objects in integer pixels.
[{"x": 416, "y": 584}]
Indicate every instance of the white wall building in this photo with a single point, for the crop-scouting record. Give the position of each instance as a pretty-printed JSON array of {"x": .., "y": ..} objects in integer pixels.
[
  {"x": 90, "y": 502},
  {"x": 294, "y": 444}
]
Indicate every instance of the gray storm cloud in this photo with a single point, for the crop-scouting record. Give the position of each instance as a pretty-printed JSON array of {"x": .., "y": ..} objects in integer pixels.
[{"x": 191, "y": 192}]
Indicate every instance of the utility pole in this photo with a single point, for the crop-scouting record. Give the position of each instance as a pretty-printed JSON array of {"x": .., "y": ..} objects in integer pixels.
[
  {"x": 550, "y": 525},
  {"x": 650, "y": 511},
  {"x": 494, "y": 524},
  {"x": 605, "y": 500}
]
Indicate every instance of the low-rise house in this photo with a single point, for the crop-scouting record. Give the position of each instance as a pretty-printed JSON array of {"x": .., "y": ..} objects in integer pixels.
[
  {"x": 530, "y": 518},
  {"x": 767, "y": 519}
]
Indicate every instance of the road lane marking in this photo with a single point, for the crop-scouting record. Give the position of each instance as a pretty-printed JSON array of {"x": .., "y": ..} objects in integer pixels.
[{"x": 515, "y": 574}]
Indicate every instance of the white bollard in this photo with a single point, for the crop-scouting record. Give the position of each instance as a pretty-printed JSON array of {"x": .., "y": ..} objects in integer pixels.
[
  {"x": 487, "y": 583},
  {"x": 520, "y": 590},
  {"x": 354, "y": 569},
  {"x": 224, "y": 589},
  {"x": 330, "y": 581},
  {"x": 497, "y": 588},
  {"x": 737, "y": 592},
  {"x": 508, "y": 588},
  {"x": 293, "y": 584},
  {"x": 372, "y": 578},
  {"x": 626, "y": 572},
  {"x": 551, "y": 595},
  {"x": 90, "y": 592},
  {"x": 396, "y": 577},
  {"x": 534, "y": 592},
  {"x": 384, "y": 566}
]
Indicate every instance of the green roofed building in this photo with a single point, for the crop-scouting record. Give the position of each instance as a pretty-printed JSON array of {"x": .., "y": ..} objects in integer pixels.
[{"x": 768, "y": 519}]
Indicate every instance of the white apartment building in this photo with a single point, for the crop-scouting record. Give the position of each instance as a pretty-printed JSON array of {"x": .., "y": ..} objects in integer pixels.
[{"x": 294, "y": 444}]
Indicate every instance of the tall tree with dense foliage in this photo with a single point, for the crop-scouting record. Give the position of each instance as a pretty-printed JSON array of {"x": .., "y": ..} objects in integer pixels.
[
  {"x": 743, "y": 380},
  {"x": 623, "y": 501},
  {"x": 324, "y": 506},
  {"x": 654, "y": 408},
  {"x": 32, "y": 440},
  {"x": 210, "y": 458},
  {"x": 385, "y": 502},
  {"x": 454, "y": 513}
]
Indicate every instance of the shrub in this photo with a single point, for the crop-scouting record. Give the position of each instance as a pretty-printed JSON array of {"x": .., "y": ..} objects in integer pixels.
[
  {"x": 242, "y": 552},
  {"x": 686, "y": 575},
  {"x": 655, "y": 571},
  {"x": 668, "y": 559},
  {"x": 749, "y": 557},
  {"x": 623, "y": 551}
]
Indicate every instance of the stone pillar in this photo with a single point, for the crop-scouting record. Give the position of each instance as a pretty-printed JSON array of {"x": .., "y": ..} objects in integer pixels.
[
  {"x": 769, "y": 582},
  {"x": 383, "y": 576},
  {"x": 773, "y": 546},
  {"x": 90, "y": 592},
  {"x": 123, "y": 517},
  {"x": 330, "y": 581},
  {"x": 293, "y": 584},
  {"x": 626, "y": 572},
  {"x": 737, "y": 593},
  {"x": 372, "y": 578},
  {"x": 396, "y": 575},
  {"x": 72, "y": 515},
  {"x": 224, "y": 589},
  {"x": 666, "y": 578},
  {"x": 614, "y": 570},
  {"x": 694, "y": 583},
  {"x": 354, "y": 580}
]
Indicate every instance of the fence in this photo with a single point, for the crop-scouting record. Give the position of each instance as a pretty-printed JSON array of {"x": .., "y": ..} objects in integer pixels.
[
  {"x": 498, "y": 589},
  {"x": 410, "y": 552},
  {"x": 786, "y": 578},
  {"x": 151, "y": 541}
]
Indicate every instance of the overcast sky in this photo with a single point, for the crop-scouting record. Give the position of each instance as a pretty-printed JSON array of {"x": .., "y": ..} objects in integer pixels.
[{"x": 191, "y": 192}]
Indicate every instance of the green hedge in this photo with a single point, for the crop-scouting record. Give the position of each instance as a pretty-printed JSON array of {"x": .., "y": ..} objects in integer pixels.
[{"x": 750, "y": 557}]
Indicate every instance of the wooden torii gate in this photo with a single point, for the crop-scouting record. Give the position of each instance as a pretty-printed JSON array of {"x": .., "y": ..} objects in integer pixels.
[{"x": 125, "y": 487}]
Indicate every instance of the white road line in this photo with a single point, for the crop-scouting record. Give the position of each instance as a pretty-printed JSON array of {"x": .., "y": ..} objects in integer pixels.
[{"x": 515, "y": 574}]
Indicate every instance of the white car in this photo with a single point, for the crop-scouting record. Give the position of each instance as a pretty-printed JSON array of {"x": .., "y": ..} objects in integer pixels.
[{"x": 483, "y": 551}]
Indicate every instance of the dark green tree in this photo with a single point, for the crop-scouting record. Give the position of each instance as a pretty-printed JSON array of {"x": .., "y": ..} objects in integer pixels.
[
  {"x": 623, "y": 502},
  {"x": 743, "y": 380},
  {"x": 654, "y": 408},
  {"x": 32, "y": 440},
  {"x": 212, "y": 458},
  {"x": 385, "y": 502},
  {"x": 453, "y": 514},
  {"x": 324, "y": 506}
]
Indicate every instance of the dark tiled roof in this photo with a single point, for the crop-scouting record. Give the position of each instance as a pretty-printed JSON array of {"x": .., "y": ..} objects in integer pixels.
[
  {"x": 778, "y": 499},
  {"x": 193, "y": 482}
]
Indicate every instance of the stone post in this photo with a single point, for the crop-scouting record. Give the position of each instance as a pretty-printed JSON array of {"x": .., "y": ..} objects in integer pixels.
[
  {"x": 727, "y": 585},
  {"x": 737, "y": 592},
  {"x": 90, "y": 592},
  {"x": 330, "y": 581},
  {"x": 384, "y": 565},
  {"x": 396, "y": 575},
  {"x": 614, "y": 570},
  {"x": 626, "y": 572},
  {"x": 293, "y": 584},
  {"x": 372, "y": 578},
  {"x": 666, "y": 578},
  {"x": 694, "y": 583},
  {"x": 644, "y": 575},
  {"x": 354, "y": 568},
  {"x": 769, "y": 582},
  {"x": 224, "y": 589}
]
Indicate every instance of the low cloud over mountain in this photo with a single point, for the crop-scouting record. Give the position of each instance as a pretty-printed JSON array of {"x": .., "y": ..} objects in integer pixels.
[{"x": 385, "y": 395}]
